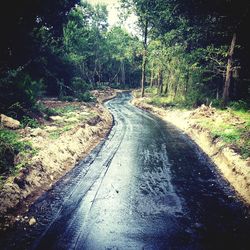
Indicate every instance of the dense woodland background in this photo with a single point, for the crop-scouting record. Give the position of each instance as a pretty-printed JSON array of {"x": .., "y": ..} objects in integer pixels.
[{"x": 192, "y": 52}]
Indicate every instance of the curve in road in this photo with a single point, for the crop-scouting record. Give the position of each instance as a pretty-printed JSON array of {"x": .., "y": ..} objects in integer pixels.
[{"x": 147, "y": 186}]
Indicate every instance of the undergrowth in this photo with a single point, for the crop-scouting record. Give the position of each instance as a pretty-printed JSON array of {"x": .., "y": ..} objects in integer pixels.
[
  {"x": 231, "y": 125},
  {"x": 10, "y": 147}
]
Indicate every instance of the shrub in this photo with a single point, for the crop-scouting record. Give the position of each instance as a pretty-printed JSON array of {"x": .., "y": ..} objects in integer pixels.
[
  {"x": 79, "y": 86},
  {"x": 10, "y": 146},
  {"x": 102, "y": 86},
  {"x": 217, "y": 103},
  {"x": 18, "y": 91},
  {"x": 40, "y": 107},
  {"x": 85, "y": 97},
  {"x": 27, "y": 121},
  {"x": 239, "y": 105}
]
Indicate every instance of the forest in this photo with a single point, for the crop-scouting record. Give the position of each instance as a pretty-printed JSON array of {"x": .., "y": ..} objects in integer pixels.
[
  {"x": 182, "y": 54},
  {"x": 60, "y": 49},
  {"x": 192, "y": 53}
]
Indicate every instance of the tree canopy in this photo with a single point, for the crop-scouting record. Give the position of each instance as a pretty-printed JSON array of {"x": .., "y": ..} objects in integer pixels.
[
  {"x": 194, "y": 41},
  {"x": 191, "y": 52}
]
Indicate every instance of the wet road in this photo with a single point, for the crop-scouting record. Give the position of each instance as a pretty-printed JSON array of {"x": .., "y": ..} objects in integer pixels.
[{"x": 147, "y": 186}]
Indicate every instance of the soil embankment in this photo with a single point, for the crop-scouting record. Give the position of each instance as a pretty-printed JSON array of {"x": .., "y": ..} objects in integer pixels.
[
  {"x": 59, "y": 144},
  {"x": 230, "y": 164}
]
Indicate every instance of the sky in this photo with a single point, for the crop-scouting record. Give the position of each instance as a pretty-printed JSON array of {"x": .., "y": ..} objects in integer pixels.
[{"x": 113, "y": 18}]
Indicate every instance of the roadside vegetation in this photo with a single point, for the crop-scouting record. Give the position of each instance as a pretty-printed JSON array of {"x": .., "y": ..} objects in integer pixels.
[
  {"x": 17, "y": 147},
  {"x": 231, "y": 125},
  {"x": 10, "y": 146},
  {"x": 233, "y": 128}
]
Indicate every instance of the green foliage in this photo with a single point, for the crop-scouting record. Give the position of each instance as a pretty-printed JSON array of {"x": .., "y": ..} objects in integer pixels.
[
  {"x": 79, "y": 86},
  {"x": 160, "y": 101},
  {"x": 99, "y": 55},
  {"x": 66, "y": 52},
  {"x": 18, "y": 91},
  {"x": 39, "y": 107},
  {"x": 64, "y": 110},
  {"x": 239, "y": 105},
  {"x": 238, "y": 138},
  {"x": 217, "y": 103},
  {"x": 64, "y": 48},
  {"x": 55, "y": 135},
  {"x": 27, "y": 121},
  {"x": 85, "y": 97},
  {"x": 233, "y": 133},
  {"x": 188, "y": 47},
  {"x": 227, "y": 134},
  {"x": 10, "y": 146}
]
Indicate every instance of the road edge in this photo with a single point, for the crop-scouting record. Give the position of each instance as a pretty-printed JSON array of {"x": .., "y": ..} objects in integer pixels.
[
  {"x": 15, "y": 200},
  {"x": 229, "y": 164}
]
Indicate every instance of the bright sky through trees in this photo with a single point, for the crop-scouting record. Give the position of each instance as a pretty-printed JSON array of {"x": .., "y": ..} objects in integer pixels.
[{"x": 113, "y": 19}]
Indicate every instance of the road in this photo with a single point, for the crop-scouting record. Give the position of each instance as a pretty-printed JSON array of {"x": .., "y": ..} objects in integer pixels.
[{"x": 146, "y": 186}]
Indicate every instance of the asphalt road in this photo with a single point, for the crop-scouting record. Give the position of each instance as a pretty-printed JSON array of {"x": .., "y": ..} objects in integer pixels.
[{"x": 146, "y": 186}]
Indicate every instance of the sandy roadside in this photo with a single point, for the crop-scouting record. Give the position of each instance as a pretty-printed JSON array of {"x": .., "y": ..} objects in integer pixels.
[{"x": 59, "y": 145}]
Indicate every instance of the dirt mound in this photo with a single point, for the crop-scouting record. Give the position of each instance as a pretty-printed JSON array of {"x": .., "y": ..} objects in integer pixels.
[{"x": 203, "y": 111}]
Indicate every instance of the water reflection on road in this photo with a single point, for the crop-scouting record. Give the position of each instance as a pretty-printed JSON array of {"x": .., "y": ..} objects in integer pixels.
[{"x": 146, "y": 187}]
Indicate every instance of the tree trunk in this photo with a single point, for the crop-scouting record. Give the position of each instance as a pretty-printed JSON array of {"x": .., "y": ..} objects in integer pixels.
[
  {"x": 123, "y": 73},
  {"x": 176, "y": 88},
  {"x": 160, "y": 85},
  {"x": 166, "y": 83},
  {"x": 175, "y": 91},
  {"x": 186, "y": 85},
  {"x": 152, "y": 76},
  {"x": 217, "y": 94},
  {"x": 144, "y": 60},
  {"x": 166, "y": 88},
  {"x": 225, "y": 96}
]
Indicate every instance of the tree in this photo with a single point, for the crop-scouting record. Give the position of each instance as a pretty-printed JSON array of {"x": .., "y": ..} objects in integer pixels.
[
  {"x": 30, "y": 48},
  {"x": 229, "y": 71},
  {"x": 142, "y": 8},
  {"x": 194, "y": 40}
]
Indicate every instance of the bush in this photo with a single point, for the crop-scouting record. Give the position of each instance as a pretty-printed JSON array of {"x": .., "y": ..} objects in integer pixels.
[
  {"x": 10, "y": 146},
  {"x": 79, "y": 86},
  {"x": 85, "y": 97},
  {"x": 27, "y": 121},
  {"x": 239, "y": 105},
  {"x": 102, "y": 86},
  {"x": 40, "y": 107},
  {"x": 217, "y": 103},
  {"x": 116, "y": 85},
  {"x": 18, "y": 91}
]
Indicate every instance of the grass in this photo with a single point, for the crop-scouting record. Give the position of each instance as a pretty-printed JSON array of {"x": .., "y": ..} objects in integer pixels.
[
  {"x": 64, "y": 110},
  {"x": 11, "y": 146},
  {"x": 54, "y": 135},
  {"x": 66, "y": 124},
  {"x": 15, "y": 153},
  {"x": 26, "y": 121},
  {"x": 161, "y": 100},
  {"x": 231, "y": 126},
  {"x": 237, "y": 136}
]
